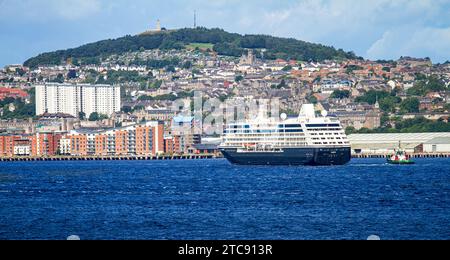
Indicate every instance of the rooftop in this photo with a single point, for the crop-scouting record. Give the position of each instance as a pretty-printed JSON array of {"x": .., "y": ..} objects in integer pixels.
[
  {"x": 183, "y": 119},
  {"x": 439, "y": 140},
  {"x": 395, "y": 138},
  {"x": 75, "y": 84}
]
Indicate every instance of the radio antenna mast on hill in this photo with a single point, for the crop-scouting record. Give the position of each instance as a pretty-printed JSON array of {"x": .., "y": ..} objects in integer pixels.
[{"x": 195, "y": 19}]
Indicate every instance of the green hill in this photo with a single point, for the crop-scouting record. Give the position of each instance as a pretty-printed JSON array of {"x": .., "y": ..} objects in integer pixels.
[{"x": 224, "y": 43}]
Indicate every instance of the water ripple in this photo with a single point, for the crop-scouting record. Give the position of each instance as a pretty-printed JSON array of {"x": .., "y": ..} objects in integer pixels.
[{"x": 215, "y": 200}]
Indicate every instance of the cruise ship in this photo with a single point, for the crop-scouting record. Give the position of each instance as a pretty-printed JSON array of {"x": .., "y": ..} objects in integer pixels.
[{"x": 306, "y": 140}]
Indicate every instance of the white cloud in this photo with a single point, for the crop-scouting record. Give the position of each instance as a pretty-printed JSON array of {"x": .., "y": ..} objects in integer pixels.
[
  {"x": 42, "y": 10},
  {"x": 423, "y": 42},
  {"x": 74, "y": 9},
  {"x": 373, "y": 28},
  {"x": 320, "y": 17}
]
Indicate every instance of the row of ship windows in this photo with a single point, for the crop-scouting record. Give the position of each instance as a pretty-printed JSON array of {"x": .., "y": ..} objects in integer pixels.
[
  {"x": 280, "y": 130},
  {"x": 265, "y": 134},
  {"x": 329, "y": 138},
  {"x": 258, "y": 140},
  {"x": 279, "y": 126},
  {"x": 265, "y": 137},
  {"x": 290, "y": 126},
  {"x": 263, "y": 131},
  {"x": 326, "y": 134},
  {"x": 276, "y": 144},
  {"x": 324, "y": 129},
  {"x": 328, "y": 143},
  {"x": 322, "y": 125}
]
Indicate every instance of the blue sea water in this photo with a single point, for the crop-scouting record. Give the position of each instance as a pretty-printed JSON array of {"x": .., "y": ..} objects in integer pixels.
[{"x": 211, "y": 199}]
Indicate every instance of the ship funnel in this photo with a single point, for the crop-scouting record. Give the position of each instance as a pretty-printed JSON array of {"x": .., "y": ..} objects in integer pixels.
[{"x": 307, "y": 111}]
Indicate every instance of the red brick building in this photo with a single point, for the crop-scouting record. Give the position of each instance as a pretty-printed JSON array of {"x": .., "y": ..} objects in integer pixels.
[
  {"x": 12, "y": 93},
  {"x": 172, "y": 145}
]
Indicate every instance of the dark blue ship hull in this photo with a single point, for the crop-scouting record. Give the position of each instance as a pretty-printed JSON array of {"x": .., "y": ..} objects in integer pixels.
[{"x": 290, "y": 156}]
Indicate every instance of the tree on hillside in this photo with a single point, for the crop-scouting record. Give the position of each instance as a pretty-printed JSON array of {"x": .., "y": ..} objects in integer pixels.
[
  {"x": 97, "y": 117},
  {"x": 287, "y": 68},
  {"x": 127, "y": 109},
  {"x": 427, "y": 85},
  {"x": 187, "y": 65},
  {"x": 170, "y": 68},
  {"x": 371, "y": 96},
  {"x": 238, "y": 78},
  {"x": 224, "y": 43},
  {"x": 350, "y": 130},
  {"x": 340, "y": 94},
  {"x": 59, "y": 78},
  {"x": 312, "y": 99},
  {"x": 82, "y": 115},
  {"x": 447, "y": 107},
  {"x": 20, "y": 72},
  {"x": 351, "y": 68},
  {"x": 72, "y": 74},
  {"x": 389, "y": 103},
  {"x": 410, "y": 105}
]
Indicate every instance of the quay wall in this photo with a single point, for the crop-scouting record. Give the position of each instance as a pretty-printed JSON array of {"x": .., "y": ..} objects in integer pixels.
[
  {"x": 180, "y": 157},
  {"x": 413, "y": 155},
  {"x": 108, "y": 158}
]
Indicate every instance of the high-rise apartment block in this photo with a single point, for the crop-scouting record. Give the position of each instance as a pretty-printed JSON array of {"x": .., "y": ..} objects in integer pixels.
[{"x": 72, "y": 99}]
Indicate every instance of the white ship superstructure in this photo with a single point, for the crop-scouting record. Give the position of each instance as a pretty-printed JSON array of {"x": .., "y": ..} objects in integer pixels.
[{"x": 306, "y": 134}]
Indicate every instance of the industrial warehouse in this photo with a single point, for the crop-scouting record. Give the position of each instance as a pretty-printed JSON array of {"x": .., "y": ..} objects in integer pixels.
[{"x": 417, "y": 143}]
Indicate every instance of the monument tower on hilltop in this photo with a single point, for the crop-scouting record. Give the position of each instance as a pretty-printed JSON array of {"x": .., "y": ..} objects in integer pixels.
[
  {"x": 157, "y": 29},
  {"x": 158, "y": 26}
]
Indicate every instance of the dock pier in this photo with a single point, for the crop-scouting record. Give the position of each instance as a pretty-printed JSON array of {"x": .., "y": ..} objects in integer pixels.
[
  {"x": 180, "y": 157},
  {"x": 415, "y": 155},
  {"x": 109, "y": 158}
]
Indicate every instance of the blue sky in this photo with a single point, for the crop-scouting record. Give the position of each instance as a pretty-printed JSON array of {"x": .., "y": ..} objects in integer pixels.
[{"x": 375, "y": 29}]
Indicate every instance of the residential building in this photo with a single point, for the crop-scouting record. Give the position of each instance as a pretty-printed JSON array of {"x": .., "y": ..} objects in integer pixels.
[
  {"x": 141, "y": 139},
  {"x": 78, "y": 145},
  {"x": 12, "y": 93},
  {"x": 183, "y": 128},
  {"x": 65, "y": 145},
  {"x": 73, "y": 99},
  {"x": 23, "y": 147},
  {"x": 172, "y": 145},
  {"x": 7, "y": 145},
  {"x": 47, "y": 144},
  {"x": 359, "y": 119},
  {"x": 204, "y": 148}
]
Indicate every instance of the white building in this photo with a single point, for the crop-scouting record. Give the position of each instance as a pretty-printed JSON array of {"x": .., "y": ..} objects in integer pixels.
[
  {"x": 75, "y": 98},
  {"x": 65, "y": 146},
  {"x": 137, "y": 139},
  {"x": 411, "y": 142},
  {"x": 437, "y": 145},
  {"x": 22, "y": 150}
]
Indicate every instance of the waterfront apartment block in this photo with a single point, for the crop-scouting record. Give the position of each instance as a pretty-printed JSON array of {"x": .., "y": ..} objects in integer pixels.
[
  {"x": 143, "y": 139},
  {"x": 182, "y": 134},
  {"x": 172, "y": 144},
  {"x": 7, "y": 145},
  {"x": 40, "y": 144},
  {"x": 72, "y": 99}
]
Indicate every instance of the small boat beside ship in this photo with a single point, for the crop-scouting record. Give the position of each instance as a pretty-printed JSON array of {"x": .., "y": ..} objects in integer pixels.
[{"x": 400, "y": 157}]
